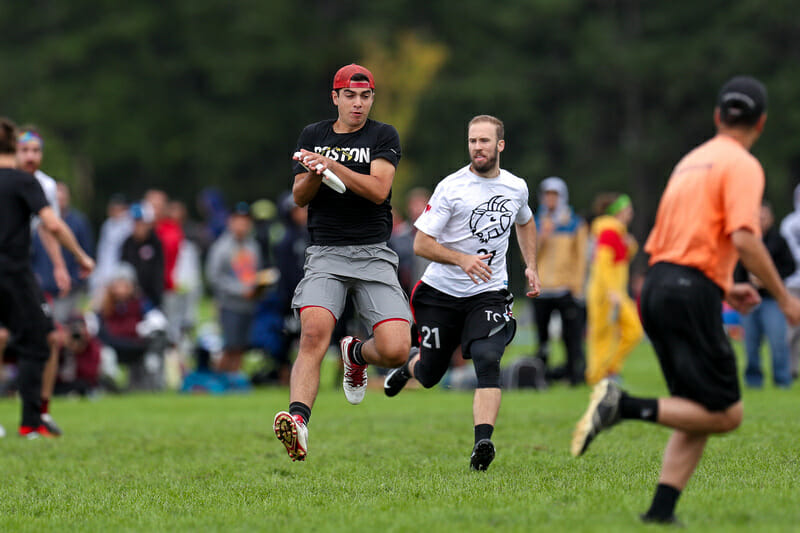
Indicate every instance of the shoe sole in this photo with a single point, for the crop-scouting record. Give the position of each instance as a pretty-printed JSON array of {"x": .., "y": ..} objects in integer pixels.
[
  {"x": 482, "y": 456},
  {"x": 286, "y": 431},
  {"x": 583, "y": 429}
]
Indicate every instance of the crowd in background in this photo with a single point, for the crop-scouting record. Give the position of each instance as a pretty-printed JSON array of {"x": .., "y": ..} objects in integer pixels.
[{"x": 134, "y": 324}]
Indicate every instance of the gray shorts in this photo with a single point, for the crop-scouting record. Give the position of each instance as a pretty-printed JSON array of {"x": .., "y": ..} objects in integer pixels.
[{"x": 368, "y": 272}]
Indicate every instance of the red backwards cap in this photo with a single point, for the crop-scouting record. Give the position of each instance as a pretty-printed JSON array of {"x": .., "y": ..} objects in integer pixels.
[{"x": 342, "y": 78}]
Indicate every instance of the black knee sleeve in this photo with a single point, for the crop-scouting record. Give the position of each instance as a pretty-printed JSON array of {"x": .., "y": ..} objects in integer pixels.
[
  {"x": 428, "y": 373},
  {"x": 486, "y": 354}
]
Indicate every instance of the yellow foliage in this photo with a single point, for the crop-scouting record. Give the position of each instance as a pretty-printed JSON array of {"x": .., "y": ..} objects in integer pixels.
[{"x": 402, "y": 73}]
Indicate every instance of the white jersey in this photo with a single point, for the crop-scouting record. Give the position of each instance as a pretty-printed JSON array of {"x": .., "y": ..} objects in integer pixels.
[
  {"x": 473, "y": 215},
  {"x": 50, "y": 189}
]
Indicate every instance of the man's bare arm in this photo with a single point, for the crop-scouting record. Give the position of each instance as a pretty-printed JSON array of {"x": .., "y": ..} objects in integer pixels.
[
  {"x": 53, "y": 224},
  {"x": 374, "y": 186},
  {"x": 427, "y": 247},
  {"x": 53, "y": 249},
  {"x": 526, "y": 236},
  {"x": 757, "y": 261}
]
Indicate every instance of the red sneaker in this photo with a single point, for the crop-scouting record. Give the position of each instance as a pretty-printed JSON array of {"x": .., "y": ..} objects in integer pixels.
[
  {"x": 293, "y": 434},
  {"x": 355, "y": 376}
]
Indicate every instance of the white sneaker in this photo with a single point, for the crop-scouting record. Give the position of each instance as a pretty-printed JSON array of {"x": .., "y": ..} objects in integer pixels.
[
  {"x": 293, "y": 433},
  {"x": 355, "y": 376},
  {"x": 2, "y": 432}
]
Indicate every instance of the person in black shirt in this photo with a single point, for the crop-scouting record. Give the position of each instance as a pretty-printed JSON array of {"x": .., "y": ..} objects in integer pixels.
[
  {"x": 21, "y": 197},
  {"x": 143, "y": 251},
  {"x": 766, "y": 319},
  {"x": 348, "y": 251}
]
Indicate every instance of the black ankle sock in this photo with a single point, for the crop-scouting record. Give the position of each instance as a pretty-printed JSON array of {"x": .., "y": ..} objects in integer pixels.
[
  {"x": 355, "y": 353},
  {"x": 664, "y": 502},
  {"x": 483, "y": 431},
  {"x": 299, "y": 408},
  {"x": 638, "y": 408}
]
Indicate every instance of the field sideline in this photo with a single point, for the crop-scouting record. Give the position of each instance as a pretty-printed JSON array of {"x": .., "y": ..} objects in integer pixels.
[{"x": 169, "y": 462}]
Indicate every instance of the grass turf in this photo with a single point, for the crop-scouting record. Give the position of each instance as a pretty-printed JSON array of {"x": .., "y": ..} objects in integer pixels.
[{"x": 168, "y": 462}]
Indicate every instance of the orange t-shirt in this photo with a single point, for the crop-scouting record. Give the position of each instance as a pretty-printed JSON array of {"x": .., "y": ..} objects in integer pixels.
[{"x": 713, "y": 191}]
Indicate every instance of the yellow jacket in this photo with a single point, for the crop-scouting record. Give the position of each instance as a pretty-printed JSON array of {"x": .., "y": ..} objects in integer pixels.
[
  {"x": 613, "y": 252},
  {"x": 561, "y": 255}
]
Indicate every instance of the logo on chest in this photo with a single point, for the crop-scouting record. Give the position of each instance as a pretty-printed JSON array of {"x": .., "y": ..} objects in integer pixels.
[
  {"x": 490, "y": 219},
  {"x": 345, "y": 155}
]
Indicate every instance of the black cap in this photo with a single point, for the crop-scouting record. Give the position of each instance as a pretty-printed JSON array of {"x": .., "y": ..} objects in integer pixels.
[{"x": 742, "y": 100}]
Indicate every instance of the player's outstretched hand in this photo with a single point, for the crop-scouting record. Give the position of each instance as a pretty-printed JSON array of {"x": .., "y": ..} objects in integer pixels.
[
  {"x": 62, "y": 279},
  {"x": 476, "y": 269},
  {"x": 743, "y": 297},
  {"x": 87, "y": 266},
  {"x": 534, "y": 285},
  {"x": 791, "y": 309}
]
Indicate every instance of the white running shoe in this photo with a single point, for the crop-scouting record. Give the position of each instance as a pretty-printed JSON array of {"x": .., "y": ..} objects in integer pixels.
[
  {"x": 355, "y": 376},
  {"x": 2, "y": 432},
  {"x": 293, "y": 433}
]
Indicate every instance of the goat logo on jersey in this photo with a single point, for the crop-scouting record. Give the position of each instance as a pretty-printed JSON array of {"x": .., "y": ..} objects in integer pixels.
[{"x": 490, "y": 219}]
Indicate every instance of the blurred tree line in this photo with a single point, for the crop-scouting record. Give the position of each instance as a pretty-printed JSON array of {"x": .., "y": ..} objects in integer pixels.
[{"x": 184, "y": 94}]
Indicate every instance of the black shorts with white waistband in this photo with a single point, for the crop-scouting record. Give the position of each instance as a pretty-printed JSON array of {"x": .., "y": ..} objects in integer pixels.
[
  {"x": 445, "y": 321},
  {"x": 682, "y": 315}
]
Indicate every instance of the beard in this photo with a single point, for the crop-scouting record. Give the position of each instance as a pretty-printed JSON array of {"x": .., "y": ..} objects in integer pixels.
[{"x": 489, "y": 164}]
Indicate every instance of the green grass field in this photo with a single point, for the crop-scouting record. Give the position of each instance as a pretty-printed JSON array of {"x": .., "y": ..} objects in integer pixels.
[{"x": 168, "y": 462}]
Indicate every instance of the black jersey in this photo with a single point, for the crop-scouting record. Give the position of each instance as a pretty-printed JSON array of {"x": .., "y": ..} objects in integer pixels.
[
  {"x": 21, "y": 197},
  {"x": 344, "y": 219}
]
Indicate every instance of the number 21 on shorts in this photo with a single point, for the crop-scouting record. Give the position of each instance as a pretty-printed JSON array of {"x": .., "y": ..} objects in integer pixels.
[{"x": 427, "y": 333}]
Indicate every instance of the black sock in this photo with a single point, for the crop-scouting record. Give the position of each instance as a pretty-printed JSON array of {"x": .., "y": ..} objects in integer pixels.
[
  {"x": 638, "y": 408},
  {"x": 299, "y": 408},
  {"x": 664, "y": 502},
  {"x": 355, "y": 353},
  {"x": 483, "y": 431}
]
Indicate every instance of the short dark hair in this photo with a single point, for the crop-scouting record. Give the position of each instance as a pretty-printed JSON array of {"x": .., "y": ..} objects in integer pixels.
[
  {"x": 498, "y": 124},
  {"x": 8, "y": 136},
  {"x": 358, "y": 76}
]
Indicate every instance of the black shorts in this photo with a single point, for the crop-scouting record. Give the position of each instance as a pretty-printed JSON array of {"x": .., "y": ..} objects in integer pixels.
[
  {"x": 444, "y": 321},
  {"x": 25, "y": 315},
  {"x": 682, "y": 315}
]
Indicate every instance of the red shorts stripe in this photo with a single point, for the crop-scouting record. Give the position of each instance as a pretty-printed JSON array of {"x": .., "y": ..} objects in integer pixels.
[
  {"x": 388, "y": 320},
  {"x": 319, "y": 306}
]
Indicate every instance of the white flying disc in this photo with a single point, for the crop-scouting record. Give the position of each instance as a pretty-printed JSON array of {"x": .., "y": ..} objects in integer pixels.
[{"x": 328, "y": 177}]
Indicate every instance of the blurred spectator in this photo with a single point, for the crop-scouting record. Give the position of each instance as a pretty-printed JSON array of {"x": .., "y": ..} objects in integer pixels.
[
  {"x": 790, "y": 230},
  {"x": 402, "y": 242},
  {"x": 416, "y": 203},
  {"x": 4, "y": 336},
  {"x": 64, "y": 305},
  {"x": 188, "y": 281},
  {"x": 122, "y": 315},
  {"x": 231, "y": 268},
  {"x": 275, "y": 327},
  {"x": 264, "y": 214},
  {"x": 614, "y": 328},
  {"x": 116, "y": 228},
  {"x": 79, "y": 370},
  {"x": 767, "y": 319},
  {"x": 143, "y": 251},
  {"x": 561, "y": 259},
  {"x": 170, "y": 234},
  {"x": 211, "y": 206}
]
